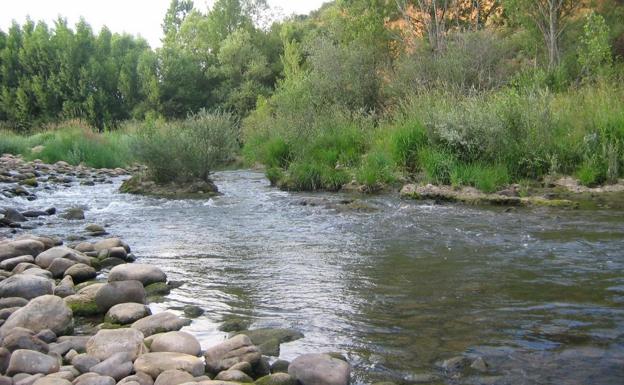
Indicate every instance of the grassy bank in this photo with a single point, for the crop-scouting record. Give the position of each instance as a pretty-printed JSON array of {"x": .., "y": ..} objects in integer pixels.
[
  {"x": 486, "y": 140},
  {"x": 72, "y": 143}
]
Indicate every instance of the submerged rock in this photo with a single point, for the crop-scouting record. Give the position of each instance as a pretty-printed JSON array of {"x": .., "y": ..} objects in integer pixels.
[
  {"x": 268, "y": 340},
  {"x": 317, "y": 369}
]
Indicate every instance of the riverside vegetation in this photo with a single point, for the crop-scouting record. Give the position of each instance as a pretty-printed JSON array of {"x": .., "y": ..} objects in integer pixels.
[{"x": 358, "y": 93}]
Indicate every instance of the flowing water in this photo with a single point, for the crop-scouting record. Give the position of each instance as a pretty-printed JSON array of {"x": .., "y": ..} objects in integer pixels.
[{"x": 538, "y": 293}]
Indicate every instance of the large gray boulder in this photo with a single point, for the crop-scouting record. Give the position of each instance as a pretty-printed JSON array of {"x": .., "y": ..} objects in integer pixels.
[
  {"x": 52, "y": 381},
  {"x": 110, "y": 243},
  {"x": 31, "y": 362},
  {"x": 26, "y": 286},
  {"x": 320, "y": 369},
  {"x": 21, "y": 247},
  {"x": 45, "y": 259},
  {"x": 9, "y": 264},
  {"x": 81, "y": 272},
  {"x": 41, "y": 313},
  {"x": 174, "y": 377},
  {"x": 146, "y": 274},
  {"x": 178, "y": 342},
  {"x": 127, "y": 313},
  {"x": 160, "y": 323},
  {"x": 231, "y": 352},
  {"x": 154, "y": 364},
  {"x": 110, "y": 341},
  {"x": 59, "y": 266},
  {"x": 93, "y": 379},
  {"x": 114, "y": 293},
  {"x": 118, "y": 366}
]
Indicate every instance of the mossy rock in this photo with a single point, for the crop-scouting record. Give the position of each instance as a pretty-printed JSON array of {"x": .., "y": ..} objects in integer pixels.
[
  {"x": 32, "y": 182},
  {"x": 234, "y": 325},
  {"x": 142, "y": 185},
  {"x": 268, "y": 340},
  {"x": 157, "y": 289},
  {"x": 84, "y": 308}
]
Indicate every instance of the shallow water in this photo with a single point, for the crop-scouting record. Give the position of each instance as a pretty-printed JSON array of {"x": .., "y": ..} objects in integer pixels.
[{"x": 538, "y": 293}]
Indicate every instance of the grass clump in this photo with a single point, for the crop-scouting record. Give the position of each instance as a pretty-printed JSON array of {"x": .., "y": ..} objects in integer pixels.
[
  {"x": 487, "y": 178},
  {"x": 11, "y": 143},
  {"x": 376, "y": 170}
]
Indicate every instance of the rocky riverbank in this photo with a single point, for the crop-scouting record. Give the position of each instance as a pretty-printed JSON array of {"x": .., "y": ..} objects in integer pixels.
[
  {"x": 47, "y": 288},
  {"x": 76, "y": 312}
]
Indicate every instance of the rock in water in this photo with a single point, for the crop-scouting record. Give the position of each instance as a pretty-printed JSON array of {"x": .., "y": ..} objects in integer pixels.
[
  {"x": 146, "y": 274},
  {"x": 160, "y": 323},
  {"x": 75, "y": 213},
  {"x": 115, "y": 293},
  {"x": 320, "y": 369},
  {"x": 45, "y": 312},
  {"x": 231, "y": 352},
  {"x": 177, "y": 342}
]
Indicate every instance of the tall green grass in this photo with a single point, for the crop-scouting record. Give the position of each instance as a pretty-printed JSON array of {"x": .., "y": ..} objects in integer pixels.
[{"x": 72, "y": 144}]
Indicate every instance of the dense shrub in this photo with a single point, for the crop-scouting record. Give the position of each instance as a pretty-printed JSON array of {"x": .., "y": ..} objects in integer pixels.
[{"x": 187, "y": 149}]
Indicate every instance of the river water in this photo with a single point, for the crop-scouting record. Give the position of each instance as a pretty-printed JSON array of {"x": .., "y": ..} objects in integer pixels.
[{"x": 538, "y": 293}]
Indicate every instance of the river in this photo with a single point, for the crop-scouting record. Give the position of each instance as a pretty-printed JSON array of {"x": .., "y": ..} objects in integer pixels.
[{"x": 538, "y": 293}]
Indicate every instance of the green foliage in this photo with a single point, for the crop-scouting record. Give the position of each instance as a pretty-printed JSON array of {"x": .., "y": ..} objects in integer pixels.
[
  {"x": 406, "y": 141},
  {"x": 437, "y": 165},
  {"x": 591, "y": 173},
  {"x": 376, "y": 169},
  {"x": 594, "y": 54},
  {"x": 487, "y": 178},
  {"x": 77, "y": 145},
  {"x": 11, "y": 143},
  {"x": 188, "y": 149}
]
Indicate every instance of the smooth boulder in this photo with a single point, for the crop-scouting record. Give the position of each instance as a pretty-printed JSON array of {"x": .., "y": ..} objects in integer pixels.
[
  {"x": 110, "y": 341},
  {"x": 176, "y": 341},
  {"x": 231, "y": 352},
  {"x": 114, "y": 293},
  {"x": 146, "y": 274},
  {"x": 31, "y": 362},
  {"x": 127, "y": 313},
  {"x": 160, "y": 323},
  {"x": 20, "y": 247},
  {"x": 26, "y": 286},
  {"x": 41, "y": 313},
  {"x": 81, "y": 272},
  {"x": 154, "y": 364},
  {"x": 320, "y": 369}
]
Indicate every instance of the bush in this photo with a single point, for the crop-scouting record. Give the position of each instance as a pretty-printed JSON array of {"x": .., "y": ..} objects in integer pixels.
[
  {"x": 188, "y": 149},
  {"x": 591, "y": 173},
  {"x": 437, "y": 165}
]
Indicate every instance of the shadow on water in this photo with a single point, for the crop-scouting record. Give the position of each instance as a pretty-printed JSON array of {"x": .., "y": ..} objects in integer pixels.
[{"x": 538, "y": 293}]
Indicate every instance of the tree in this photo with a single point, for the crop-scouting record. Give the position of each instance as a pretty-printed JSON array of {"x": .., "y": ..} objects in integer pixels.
[
  {"x": 595, "y": 50},
  {"x": 551, "y": 17},
  {"x": 432, "y": 16},
  {"x": 177, "y": 12}
]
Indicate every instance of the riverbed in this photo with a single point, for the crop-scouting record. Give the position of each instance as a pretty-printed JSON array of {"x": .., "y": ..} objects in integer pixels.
[{"x": 398, "y": 286}]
